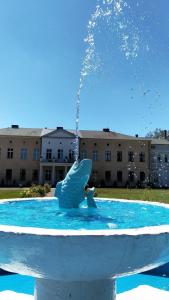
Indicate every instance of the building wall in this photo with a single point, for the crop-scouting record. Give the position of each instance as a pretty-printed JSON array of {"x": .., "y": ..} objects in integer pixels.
[
  {"x": 160, "y": 165},
  {"x": 16, "y": 163},
  {"x": 54, "y": 144},
  {"x": 104, "y": 172},
  {"x": 100, "y": 167}
]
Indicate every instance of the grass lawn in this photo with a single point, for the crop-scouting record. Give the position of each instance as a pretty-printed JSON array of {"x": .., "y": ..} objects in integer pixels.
[
  {"x": 10, "y": 193},
  {"x": 157, "y": 195}
]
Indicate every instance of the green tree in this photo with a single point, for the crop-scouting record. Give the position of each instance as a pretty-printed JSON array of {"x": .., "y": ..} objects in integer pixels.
[{"x": 158, "y": 133}]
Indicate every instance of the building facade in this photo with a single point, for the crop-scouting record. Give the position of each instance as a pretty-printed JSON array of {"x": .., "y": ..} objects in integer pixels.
[
  {"x": 45, "y": 155},
  {"x": 57, "y": 155},
  {"x": 19, "y": 156},
  {"x": 159, "y": 167},
  {"x": 118, "y": 160}
]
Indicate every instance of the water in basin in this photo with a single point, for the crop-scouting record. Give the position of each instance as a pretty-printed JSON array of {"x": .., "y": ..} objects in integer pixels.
[{"x": 108, "y": 215}]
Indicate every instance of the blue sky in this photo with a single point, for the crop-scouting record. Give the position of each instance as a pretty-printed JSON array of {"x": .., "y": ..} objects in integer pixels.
[{"x": 41, "y": 52}]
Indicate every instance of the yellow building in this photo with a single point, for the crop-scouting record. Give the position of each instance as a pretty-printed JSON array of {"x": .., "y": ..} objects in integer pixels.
[
  {"x": 45, "y": 155},
  {"x": 118, "y": 159},
  {"x": 19, "y": 155}
]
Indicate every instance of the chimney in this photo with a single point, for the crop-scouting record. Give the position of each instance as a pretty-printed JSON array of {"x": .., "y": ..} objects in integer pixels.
[
  {"x": 106, "y": 129},
  {"x": 165, "y": 134},
  {"x": 59, "y": 128},
  {"x": 15, "y": 126}
]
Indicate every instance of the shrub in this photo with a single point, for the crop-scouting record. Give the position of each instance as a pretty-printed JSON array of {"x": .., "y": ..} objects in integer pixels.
[
  {"x": 47, "y": 188},
  {"x": 36, "y": 191}
]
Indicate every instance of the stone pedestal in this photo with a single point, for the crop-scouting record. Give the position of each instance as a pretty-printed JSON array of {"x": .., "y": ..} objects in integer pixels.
[{"x": 77, "y": 290}]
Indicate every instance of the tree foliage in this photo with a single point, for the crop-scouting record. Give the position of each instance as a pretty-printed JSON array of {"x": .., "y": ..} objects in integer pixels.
[{"x": 157, "y": 133}]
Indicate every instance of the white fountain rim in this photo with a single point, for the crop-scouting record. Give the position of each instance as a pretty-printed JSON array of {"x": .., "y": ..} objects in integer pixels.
[
  {"x": 148, "y": 230},
  {"x": 135, "y": 201}
]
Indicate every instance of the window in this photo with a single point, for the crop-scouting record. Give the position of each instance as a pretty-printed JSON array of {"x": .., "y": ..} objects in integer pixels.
[
  {"x": 48, "y": 174},
  {"x": 107, "y": 155},
  {"x": 94, "y": 176},
  {"x": 142, "y": 156},
  {"x": 24, "y": 153},
  {"x": 142, "y": 176},
  {"x": 83, "y": 154},
  {"x": 8, "y": 174},
  {"x": 108, "y": 176},
  {"x": 94, "y": 173},
  {"x": 155, "y": 177},
  {"x": 71, "y": 155},
  {"x": 60, "y": 175},
  {"x": 36, "y": 154},
  {"x": 95, "y": 155},
  {"x": 131, "y": 156},
  {"x": 48, "y": 154},
  {"x": 131, "y": 176},
  {"x": 119, "y": 156},
  {"x": 60, "y": 153},
  {"x": 10, "y": 153},
  {"x": 35, "y": 175},
  {"x": 165, "y": 158},
  {"x": 153, "y": 157},
  {"x": 159, "y": 158},
  {"x": 119, "y": 176},
  {"x": 22, "y": 174}
]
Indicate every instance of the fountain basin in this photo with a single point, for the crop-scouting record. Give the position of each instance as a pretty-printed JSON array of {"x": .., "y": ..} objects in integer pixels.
[
  {"x": 63, "y": 255},
  {"x": 81, "y": 261}
]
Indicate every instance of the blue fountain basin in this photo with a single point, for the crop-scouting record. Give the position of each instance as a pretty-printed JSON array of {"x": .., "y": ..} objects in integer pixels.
[
  {"x": 74, "y": 254},
  {"x": 108, "y": 215}
]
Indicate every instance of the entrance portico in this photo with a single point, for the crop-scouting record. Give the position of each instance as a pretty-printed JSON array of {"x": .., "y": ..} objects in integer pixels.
[{"x": 52, "y": 172}]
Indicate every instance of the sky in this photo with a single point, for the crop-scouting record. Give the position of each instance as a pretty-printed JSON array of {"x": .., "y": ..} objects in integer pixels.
[{"x": 42, "y": 49}]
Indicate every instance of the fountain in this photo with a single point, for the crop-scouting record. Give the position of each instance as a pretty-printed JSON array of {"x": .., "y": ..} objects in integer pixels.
[
  {"x": 71, "y": 191},
  {"x": 77, "y": 253},
  {"x": 74, "y": 246}
]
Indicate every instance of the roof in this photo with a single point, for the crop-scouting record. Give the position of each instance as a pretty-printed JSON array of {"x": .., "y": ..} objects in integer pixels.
[
  {"x": 94, "y": 134},
  {"x": 86, "y": 134},
  {"x": 58, "y": 132},
  {"x": 27, "y": 132},
  {"x": 159, "y": 142}
]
